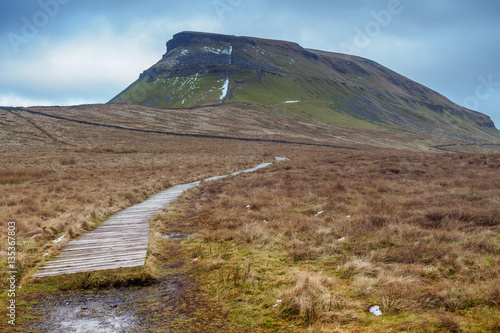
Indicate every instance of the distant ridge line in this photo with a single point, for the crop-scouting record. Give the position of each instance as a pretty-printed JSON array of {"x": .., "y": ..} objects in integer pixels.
[{"x": 203, "y": 136}]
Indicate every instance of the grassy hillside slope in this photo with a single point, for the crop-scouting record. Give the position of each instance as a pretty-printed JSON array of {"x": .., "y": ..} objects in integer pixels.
[{"x": 276, "y": 76}]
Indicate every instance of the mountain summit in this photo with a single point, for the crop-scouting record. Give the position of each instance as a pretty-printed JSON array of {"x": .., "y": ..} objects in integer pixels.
[{"x": 201, "y": 69}]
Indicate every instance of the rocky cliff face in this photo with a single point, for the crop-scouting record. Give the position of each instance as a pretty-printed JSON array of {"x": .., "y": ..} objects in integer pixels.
[
  {"x": 201, "y": 69},
  {"x": 193, "y": 52}
]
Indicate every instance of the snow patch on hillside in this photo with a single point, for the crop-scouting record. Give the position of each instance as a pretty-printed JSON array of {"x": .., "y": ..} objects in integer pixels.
[
  {"x": 208, "y": 49},
  {"x": 214, "y": 50},
  {"x": 225, "y": 89}
]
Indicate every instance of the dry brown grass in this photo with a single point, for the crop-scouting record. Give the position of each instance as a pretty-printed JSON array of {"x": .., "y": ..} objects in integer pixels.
[
  {"x": 313, "y": 298},
  {"x": 421, "y": 233}
]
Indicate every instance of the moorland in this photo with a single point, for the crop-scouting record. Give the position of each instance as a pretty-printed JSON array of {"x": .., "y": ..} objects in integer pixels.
[{"x": 355, "y": 218}]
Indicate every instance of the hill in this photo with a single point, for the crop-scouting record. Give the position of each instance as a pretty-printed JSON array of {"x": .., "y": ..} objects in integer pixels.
[{"x": 280, "y": 77}]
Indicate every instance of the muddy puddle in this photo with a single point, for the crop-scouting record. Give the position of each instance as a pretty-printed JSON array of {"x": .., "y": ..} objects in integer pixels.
[
  {"x": 99, "y": 313},
  {"x": 147, "y": 308}
]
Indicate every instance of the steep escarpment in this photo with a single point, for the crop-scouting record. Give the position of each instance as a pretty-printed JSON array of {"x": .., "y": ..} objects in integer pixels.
[
  {"x": 191, "y": 53},
  {"x": 201, "y": 69}
]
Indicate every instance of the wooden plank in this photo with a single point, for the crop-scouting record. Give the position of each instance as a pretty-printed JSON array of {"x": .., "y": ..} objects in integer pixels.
[
  {"x": 82, "y": 262},
  {"x": 96, "y": 260},
  {"x": 86, "y": 266},
  {"x": 110, "y": 237},
  {"x": 86, "y": 252},
  {"x": 105, "y": 231},
  {"x": 55, "y": 272},
  {"x": 109, "y": 247}
]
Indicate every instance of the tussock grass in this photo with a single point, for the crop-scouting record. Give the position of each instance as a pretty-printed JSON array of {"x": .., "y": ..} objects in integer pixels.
[
  {"x": 313, "y": 298},
  {"x": 416, "y": 234}
]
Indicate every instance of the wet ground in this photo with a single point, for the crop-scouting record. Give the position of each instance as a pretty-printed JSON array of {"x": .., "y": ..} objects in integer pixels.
[
  {"x": 173, "y": 303},
  {"x": 112, "y": 310},
  {"x": 92, "y": 313}
]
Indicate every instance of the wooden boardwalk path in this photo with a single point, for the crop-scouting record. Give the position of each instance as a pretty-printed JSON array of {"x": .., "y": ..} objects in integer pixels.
[{"x": 121, "y": 241}]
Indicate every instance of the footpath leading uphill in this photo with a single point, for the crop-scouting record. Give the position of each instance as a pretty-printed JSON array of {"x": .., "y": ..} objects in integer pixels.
[{"x": 121, "y": 241}]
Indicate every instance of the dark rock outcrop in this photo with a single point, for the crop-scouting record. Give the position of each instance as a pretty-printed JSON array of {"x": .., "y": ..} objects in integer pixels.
[{"x": 227, "y": 63}]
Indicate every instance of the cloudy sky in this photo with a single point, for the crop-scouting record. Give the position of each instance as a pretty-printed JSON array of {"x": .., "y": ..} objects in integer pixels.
[{"x": 65, "y": 52}]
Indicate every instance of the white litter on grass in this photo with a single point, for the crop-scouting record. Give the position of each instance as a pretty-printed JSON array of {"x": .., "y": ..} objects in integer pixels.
[
  {"x": 266, "y": 221},
  {"x": 348, "y": 216},
  {"x": 224, "y": 89},
  {"x": 45, "y": 254},
  {"x": 376, "y": 310},
  {"x": 341, "y": 239},
  {"x": 290, "y": 102},
  {"x": 277, "y": 302},
  {"x": 193, "y": 260},
  {"x": 282, "y": 159},
  {"x": 248, "y": 206},
  {"x": 319, "y": 213},
  {"x": 60, "y": 238}
]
